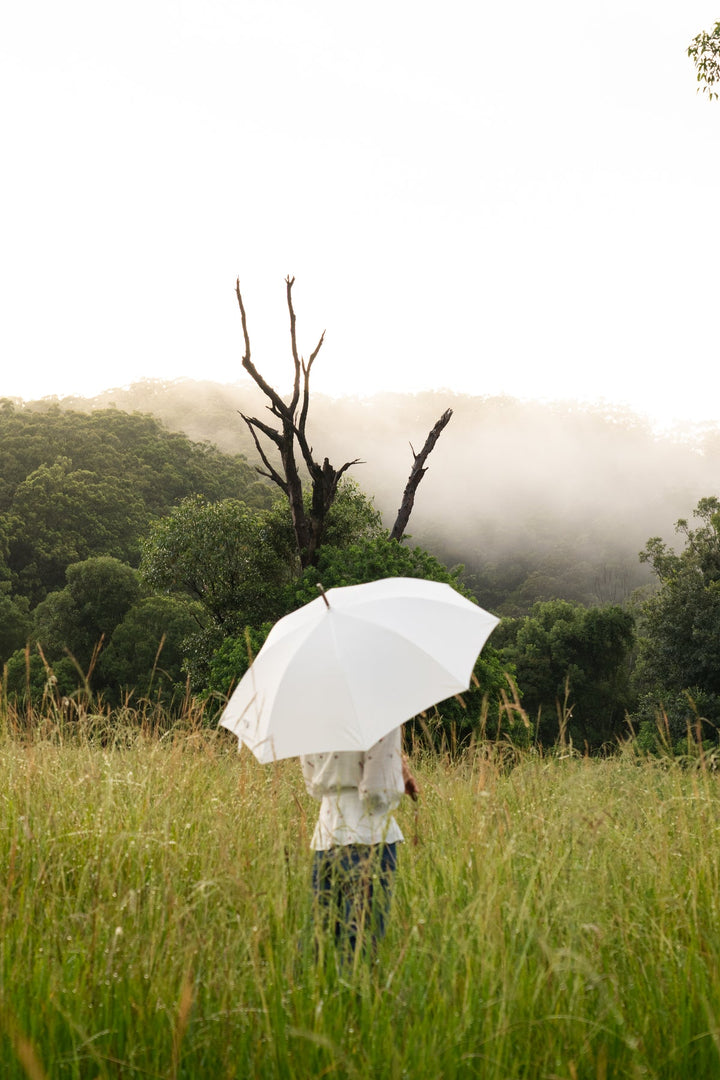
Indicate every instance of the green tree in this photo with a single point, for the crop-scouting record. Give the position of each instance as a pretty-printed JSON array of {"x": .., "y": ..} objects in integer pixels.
[
  {"x": 14, "y": 610},
  {"x": 233, "y": 658},
  {"x": 60, "y": 515},
  {"x": 225, "y": 556},
  {"x": 145, "y": 655},
  {"x": 32, "y": 680},
  {"x": 572, "y": 664},
  {"x": 77, "y": 619},
  {"x": 677, "y": 671},
  {"x": 162, "y": 466},
  {"x": 75, "y": 485},
  {"x": 14, "y": 624},
  {"x": 128, "y": 644},
  {"x": 368, "y": 559},
  {"x": 704, "y": 51},
  {"x": 239, "y": 564}
]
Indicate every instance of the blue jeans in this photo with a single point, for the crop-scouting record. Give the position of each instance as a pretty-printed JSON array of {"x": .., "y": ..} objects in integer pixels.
[{"x": 352, "y": 886}]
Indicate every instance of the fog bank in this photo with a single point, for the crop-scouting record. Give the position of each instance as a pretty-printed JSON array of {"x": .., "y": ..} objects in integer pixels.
[{"x": 563, "y": 494}]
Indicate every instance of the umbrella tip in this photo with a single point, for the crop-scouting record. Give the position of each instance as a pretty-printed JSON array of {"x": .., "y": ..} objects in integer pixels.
[{"x": 321, "y": 590}]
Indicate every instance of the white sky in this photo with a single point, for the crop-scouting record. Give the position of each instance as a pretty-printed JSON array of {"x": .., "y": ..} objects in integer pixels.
[{"x": 490, "y": 197}]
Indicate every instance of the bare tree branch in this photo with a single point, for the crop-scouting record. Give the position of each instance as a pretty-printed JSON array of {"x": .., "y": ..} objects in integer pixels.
[
  {"x": 306, "y": 384},
  {"x": 247, "y": 363},
  {"x": 268, "y": 471},
  {"x": 269, "y": 432},
  {"x": 289, "y": 282},
  {"x": 246, "y": 357},
  {"x": 416, "y": 474},
  {"x": 348, "y": 465}
]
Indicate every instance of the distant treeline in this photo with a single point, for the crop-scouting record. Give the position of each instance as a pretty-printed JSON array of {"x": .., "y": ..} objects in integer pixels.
[
  {"x": 537, "y": 501},
  {"x": 76, "y": 485}
]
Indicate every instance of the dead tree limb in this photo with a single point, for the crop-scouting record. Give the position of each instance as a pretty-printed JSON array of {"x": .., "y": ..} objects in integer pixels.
[
  {"x": 308, "y": 525},
  {"x": 416, "y": 474}
]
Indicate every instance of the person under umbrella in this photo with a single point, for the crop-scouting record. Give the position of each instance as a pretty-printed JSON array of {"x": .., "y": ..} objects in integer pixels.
[
  {"x": 356, "y": 837},
  {"x": 332, "y": 685}
]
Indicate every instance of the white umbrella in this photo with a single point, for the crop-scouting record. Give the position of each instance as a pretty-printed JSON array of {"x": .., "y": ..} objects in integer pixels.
[{"x": 347, "y": 668}]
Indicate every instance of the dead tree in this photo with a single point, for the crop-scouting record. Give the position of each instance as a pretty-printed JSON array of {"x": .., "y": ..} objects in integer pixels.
[
  {"x": 290, "y": 432},
  {"x": 416, "y": 474},
  {"x": 292, "y": 416}
]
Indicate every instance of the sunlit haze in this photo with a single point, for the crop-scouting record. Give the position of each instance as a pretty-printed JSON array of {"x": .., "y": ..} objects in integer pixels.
[{"x": 493, "y": 198}]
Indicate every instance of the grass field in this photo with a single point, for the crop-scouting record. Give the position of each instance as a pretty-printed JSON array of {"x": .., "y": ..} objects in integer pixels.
[{"x": 553, "y": 918}]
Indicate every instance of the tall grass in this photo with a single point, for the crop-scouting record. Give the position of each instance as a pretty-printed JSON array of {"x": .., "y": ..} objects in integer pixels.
[{"x": 553, "y": 918}]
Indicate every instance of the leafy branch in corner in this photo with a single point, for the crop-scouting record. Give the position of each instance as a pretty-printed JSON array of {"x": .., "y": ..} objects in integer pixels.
[{"x": 704, "y": 51}]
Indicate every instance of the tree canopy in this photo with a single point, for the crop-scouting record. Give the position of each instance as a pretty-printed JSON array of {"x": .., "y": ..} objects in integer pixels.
[
  {"x": 679, "y": 637},
  {"x": 241, "y": 566},
  {"x": 76, "y": 485},
  {"x": 98, "y": 594},
  {"x": 224, "y": 555},
  {"x": 573, "y": 667}
]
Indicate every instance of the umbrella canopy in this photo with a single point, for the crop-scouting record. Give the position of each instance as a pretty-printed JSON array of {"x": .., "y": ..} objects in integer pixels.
[{"x": 347, "y": 668}]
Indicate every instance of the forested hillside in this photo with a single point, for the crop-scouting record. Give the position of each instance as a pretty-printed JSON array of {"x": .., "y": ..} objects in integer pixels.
[
  {"x": 81, "y": 485},
  {"x": 537, "y": 501},
  {"x": 136, "y": 563},
  {"x": 75, "y": 484}
]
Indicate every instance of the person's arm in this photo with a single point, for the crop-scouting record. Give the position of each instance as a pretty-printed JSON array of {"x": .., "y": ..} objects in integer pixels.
[{"x": 411, "y": 784}]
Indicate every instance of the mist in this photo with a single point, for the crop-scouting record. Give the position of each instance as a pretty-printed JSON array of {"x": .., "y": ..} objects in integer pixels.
[{"x": 536, "y": 500}]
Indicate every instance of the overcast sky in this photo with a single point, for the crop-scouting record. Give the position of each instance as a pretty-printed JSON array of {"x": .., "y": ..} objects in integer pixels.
[{"x": 490, "y": 197}]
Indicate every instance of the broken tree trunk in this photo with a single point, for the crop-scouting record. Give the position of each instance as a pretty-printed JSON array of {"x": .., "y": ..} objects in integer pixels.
[{"x": 416, "y": 474}]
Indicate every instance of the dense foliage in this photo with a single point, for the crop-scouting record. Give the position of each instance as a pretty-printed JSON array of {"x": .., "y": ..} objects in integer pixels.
[
  {"x": 74, "y": 485},
  {"x": 136, "y": 563},
  {"x": 78, "y": 493},
  {"x": 678, "y": 674},
  {"x": 573, "y": 665}
]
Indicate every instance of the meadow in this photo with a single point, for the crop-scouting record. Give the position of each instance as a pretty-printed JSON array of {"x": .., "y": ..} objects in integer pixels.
[{"x": 555, "y": 917}]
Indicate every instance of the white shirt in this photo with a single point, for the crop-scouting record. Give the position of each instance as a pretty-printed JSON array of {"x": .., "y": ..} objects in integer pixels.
[{"x": 357, "y": 793}]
